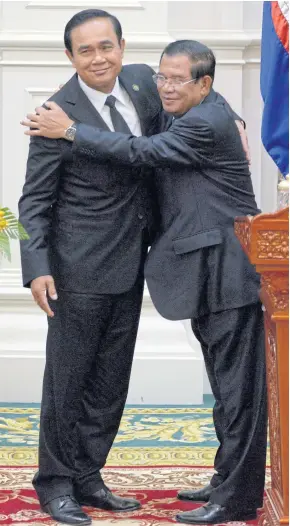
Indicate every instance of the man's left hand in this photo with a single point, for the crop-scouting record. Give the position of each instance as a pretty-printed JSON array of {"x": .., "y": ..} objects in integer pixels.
[{"x": 50, "y": 123}]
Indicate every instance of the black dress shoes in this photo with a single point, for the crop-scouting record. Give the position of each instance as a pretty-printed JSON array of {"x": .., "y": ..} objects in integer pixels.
[
  {"x": 214, "y": 513},
  {"x": 67, "y": 510},
  {"x": 106, "y": 500},
  {"x": 199, "y": 495}
]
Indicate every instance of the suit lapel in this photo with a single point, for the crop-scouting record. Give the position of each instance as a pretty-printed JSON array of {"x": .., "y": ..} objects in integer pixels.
[
  {"x": 137, "y": 91},
  {"x": 80, "y": 108}
]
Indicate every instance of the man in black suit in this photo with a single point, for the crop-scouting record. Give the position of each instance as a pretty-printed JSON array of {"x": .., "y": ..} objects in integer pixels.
[
  {"x": 89, "y": 224},
  {"x": 196, "y": 267}
]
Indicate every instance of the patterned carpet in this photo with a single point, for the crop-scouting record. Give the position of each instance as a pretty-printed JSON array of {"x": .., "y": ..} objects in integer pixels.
[
  {"x": 158, "y": 450},
  {"x": 158, "y": 436}
]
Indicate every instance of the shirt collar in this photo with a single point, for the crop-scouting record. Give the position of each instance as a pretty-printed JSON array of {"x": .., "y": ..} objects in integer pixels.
[
  {"x": 98, "y": 98},
  {"x": 118, "y": 92}
]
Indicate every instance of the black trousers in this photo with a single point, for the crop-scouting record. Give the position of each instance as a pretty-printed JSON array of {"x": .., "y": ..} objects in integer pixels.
[
  {"x": 89, "y": 356},
  {"x": 233, "y": 346}
]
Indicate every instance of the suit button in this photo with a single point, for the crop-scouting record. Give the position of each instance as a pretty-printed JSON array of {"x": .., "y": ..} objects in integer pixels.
[{"x": 140, "y": 216}]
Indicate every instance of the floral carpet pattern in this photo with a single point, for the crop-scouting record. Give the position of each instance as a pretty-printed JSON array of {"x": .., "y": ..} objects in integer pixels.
[
  {"x": 157, "y": 436},
  {"x": 148, "y": 436},
  {"x": 158, "y": 450}
]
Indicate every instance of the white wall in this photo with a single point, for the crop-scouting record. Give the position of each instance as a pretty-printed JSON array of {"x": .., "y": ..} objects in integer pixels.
[{"x": 32, "y": 65}]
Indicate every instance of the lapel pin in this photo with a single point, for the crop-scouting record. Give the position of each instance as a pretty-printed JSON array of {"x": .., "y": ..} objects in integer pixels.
[{"x": 135, "y": 87}]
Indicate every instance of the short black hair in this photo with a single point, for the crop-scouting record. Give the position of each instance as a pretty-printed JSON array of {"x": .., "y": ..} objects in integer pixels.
[
  {"x": 88, "y": 14},
  {"x": 200, "y": 55}
]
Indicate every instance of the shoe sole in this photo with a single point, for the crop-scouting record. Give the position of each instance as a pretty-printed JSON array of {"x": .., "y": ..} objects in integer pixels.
[
  {"x": 87, "y": 523},
  {"x": 192, "y": 500},
  {"x": 108, "y": 509},
  {"x": 233, "y": 518},
  {"x": 84, "y": 523}
]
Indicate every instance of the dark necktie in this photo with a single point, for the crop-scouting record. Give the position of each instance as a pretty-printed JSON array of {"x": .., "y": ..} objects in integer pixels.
[{"x": 118, "y": 121}]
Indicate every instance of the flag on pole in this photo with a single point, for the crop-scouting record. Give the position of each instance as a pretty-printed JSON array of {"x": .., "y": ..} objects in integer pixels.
[{"x": 275, "y": 82}]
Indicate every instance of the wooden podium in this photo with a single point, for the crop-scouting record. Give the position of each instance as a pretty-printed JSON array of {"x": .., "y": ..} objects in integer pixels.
[{"x": 265, "y": 239}]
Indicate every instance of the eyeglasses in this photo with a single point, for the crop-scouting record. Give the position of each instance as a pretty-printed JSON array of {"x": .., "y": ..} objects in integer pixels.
[{"x": 160, "y": 80}]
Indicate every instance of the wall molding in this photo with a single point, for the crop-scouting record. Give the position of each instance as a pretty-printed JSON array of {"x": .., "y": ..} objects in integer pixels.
[
  {"x": 54, "y": 40},
  {"x": 14, "y": 295},
  {"x": 152, "y": 379},
  {"x": 53, "y": 63},
  {"x": 253, "y": 61},
  {"x": 16, "y": 48},
  {"x": 154, "y": 65},
  {"x": 40, "y": 92},
  {"x": 10, "y": 277},
  {"x": 108, "y": 5},
  {"x": 18, "y": 351},
  {"x": 135, "y": 41},
  {"x": 221, "y": 39}
]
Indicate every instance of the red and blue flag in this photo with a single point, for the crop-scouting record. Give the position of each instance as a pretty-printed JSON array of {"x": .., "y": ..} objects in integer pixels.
[{"x": 275, "y": 82}]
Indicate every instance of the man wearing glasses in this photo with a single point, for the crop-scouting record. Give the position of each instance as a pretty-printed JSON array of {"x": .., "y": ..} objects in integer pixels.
[{"x": 196, "y": 268}]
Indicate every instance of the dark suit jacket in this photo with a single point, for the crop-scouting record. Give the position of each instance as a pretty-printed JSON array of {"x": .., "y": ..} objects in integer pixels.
[
  {"x": 196, "y": 265},
  {"x": 86, "y": 217}
]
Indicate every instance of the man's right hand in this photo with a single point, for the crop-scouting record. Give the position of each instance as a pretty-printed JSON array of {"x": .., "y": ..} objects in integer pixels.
[
  {"x": 41, "y": 288},
  {"x": 244, "y": 139}
]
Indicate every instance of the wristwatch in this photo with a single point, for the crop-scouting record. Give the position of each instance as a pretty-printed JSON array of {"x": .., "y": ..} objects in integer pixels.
[{"x": 70, "y": 132}]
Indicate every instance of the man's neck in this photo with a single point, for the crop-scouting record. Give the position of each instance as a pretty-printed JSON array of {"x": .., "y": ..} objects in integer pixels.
[{"x": 105, "y": 89}]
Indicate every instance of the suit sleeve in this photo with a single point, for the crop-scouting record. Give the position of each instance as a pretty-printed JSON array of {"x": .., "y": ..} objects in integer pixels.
[
  {"x": 189, "y": 142},
  {"x": 35, "y": 206}
]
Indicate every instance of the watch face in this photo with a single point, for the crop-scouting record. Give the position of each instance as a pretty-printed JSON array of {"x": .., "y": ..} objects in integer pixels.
[{"x": 70, "y": 133}]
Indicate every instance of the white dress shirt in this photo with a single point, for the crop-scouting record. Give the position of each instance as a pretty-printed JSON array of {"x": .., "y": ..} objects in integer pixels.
[{"x": 124, "y": 105}]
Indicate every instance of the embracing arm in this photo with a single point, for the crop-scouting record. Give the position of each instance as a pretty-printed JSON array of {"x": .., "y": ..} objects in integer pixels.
[
  {"x": 54, "y": 123},
  {"x": 189, "y": 142},
  {"x": 35, "y": 206}
]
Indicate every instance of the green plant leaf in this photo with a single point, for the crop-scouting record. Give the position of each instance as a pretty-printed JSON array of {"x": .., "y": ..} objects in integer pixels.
[
  {"x": 5, "y": 246},
  {"x": 14, "y": 229}
]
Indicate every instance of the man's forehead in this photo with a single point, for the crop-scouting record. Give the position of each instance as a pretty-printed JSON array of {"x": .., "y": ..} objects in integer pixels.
[
  {"x": 176, "y": 62},
  {"x": 97, "y": 28}
]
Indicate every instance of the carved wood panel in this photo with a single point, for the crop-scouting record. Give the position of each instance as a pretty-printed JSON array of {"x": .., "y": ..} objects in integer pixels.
[
  {"x": 276, "y": 285},
  {"x": 268, "y": 517},
  {"x": 273, "y": 408},
  {"x": 243, "y": 232},
  {"x": 273, "y": 244}
]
